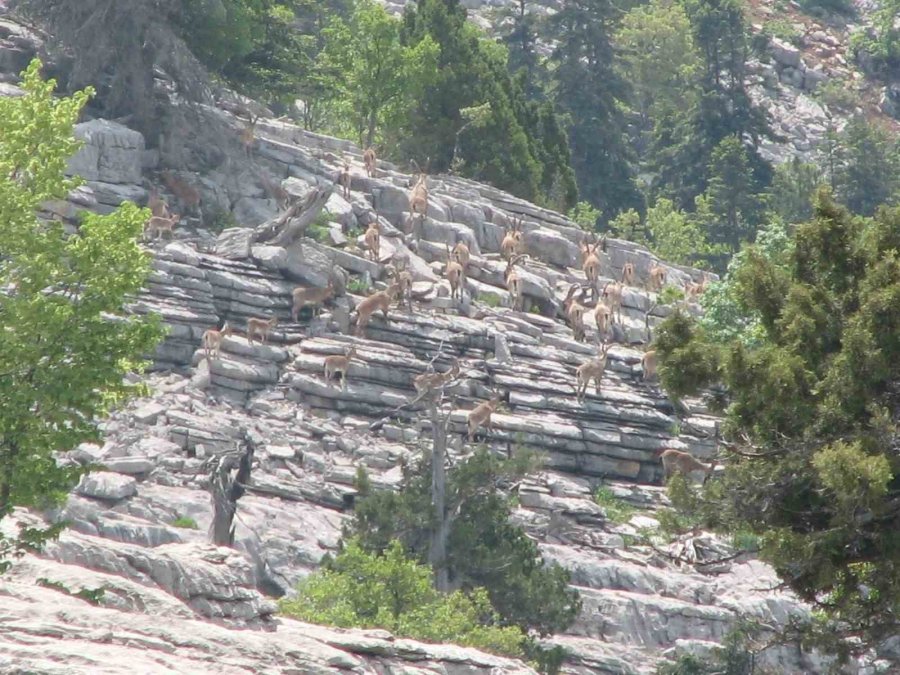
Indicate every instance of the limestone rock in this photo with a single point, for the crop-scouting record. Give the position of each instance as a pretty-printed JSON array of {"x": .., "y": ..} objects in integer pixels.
[
  {"x": 111, "y": 153},
  {"x": 107, "y": 485}
]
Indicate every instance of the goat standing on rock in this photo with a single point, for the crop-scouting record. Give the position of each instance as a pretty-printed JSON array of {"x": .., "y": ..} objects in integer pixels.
[
  {"x": 592, "y": 370},
  {"x": 338, "y": 363},
  {"x": 480, "y": 415},
  {"x": 684, "y": 463}
]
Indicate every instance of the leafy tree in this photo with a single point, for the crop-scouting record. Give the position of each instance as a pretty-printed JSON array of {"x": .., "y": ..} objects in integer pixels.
[
  {"x": 376, "y": 78},
  {"x": 591, "y": 92},
  {"x": 866, "y": 172},
  {"x": 484, "y": 550},
  {"x": 65, "y": 342},
  {"x": 585, "y": 216},
  {"x": 659, "y": 58},
  {"x": 521, "y": 41},
  {"x": 359, "y": 589},
  {"x": 509, "y": 144},
  {"x": 817, "y": 476},
  {"x": 674, "y": 236}
]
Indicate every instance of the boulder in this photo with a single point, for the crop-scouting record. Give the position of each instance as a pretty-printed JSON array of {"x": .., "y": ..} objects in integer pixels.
[
  {"x": 107, "y": 485},
  {"x": 112, "y": 153}
]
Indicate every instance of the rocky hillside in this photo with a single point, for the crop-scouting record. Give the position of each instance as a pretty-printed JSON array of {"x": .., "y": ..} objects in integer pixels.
[{"x": 171, "y": 603}]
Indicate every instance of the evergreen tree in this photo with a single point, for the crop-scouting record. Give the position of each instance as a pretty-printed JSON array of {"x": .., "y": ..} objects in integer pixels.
[
  {"x": 591, "y": 92},
  {"x": 866, "y": 169},
  {"x": 483, "y": 548},
  {"x": 817, "y": 473},
  {"x": 793, "y": 187}
]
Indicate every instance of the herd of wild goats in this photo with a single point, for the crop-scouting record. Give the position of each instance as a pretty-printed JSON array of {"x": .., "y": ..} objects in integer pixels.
[{"x": 608, "y": 300}]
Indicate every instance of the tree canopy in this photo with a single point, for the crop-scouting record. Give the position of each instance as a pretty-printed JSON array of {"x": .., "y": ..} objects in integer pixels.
[
  {"x": 66, "y": 343},
  {"x": 812, "y": 411}
]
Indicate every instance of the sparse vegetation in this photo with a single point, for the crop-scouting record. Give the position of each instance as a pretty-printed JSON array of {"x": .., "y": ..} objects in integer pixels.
[
  {"x": 490, "y": 299},
  {"x": 93, "y": 596},
  {"x": 616, "y": 508},
  {"x": 185, "y": 522}
]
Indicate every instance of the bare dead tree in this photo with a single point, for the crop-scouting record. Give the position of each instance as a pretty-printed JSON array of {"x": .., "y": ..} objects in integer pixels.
[
  {"x": 289, "y": 226},
  {"x": 226, "y": 489},
  {"x": 437, "y": 549}
]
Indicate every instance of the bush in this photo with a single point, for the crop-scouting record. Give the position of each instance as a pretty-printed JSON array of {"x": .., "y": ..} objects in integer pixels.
[
  {"x": 617, "y": 509},
  {"x": 184, "y": 522},
  {"x": 357, "y": 589}
]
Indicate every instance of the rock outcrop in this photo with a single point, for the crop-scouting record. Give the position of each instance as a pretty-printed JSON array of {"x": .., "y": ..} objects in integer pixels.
[{"x": 138, "y": 529}]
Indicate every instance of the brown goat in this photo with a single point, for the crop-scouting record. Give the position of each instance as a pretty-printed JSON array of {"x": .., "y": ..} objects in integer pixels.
[
  {"x": 248, "y": 135},
  {"x": 370, "y": 160},
  {"x": 303, "y": 296},
  {"x": 379, "y": 300},
  {"x": 461, "y": 254},
  {"x": 513, "y": 239},
  {"x": 157, "y": 205},
  {"x": 344, "y": 181},
  {"x": 261, "y": 327},
  {"x": 682, "y": 462},
  {"x": 612, "y": 297},
  {"x": 481, "y": 415},
  {"x": 590, "y": 262},
  {"x": 159, "y": 225},
  {"x": 339, "y": 363},
  {"x": 603, "y": 318},
  {"x": 424, "y": 382},
  {"x": 648, "y": 364},
  {"x": 212, "y": 340},
  {"x": 373, "y": 240},
  {"x": 628, "y": 274},
  {"x": 574, "y": 311},
  {"x": 657, "y": 278},
  {"x": 186, "y": 194},
  {"x": 591, "y": 370},
  {"x": 456, "y": 275},
  {"x": 402, "y": 277},
  {"x": 513, "y": 282}
]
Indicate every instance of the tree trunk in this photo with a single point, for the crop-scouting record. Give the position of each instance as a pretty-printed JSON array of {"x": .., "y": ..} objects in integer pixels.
[
  {"x": 225, "y": 491},
  {"x": 437, "y": 550},
  {"x": 370, "y": 132}
]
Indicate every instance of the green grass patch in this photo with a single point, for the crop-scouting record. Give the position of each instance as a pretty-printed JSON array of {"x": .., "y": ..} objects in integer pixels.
[
  {"x": 184, "y": 522},
  {"x": 489, "y": 299},
  {"x": 357, "y": 285}
]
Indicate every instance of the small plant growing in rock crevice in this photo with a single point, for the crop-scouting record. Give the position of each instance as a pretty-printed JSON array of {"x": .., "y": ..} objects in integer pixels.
[
  {"x": 184, "y": 522},
  {"x": 617, "y": 509},
  {"x": 358, "y": 286}
]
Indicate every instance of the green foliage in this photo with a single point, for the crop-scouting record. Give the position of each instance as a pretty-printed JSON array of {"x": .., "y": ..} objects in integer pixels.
[
  {"x": 815, "y": 397},
  {"x": 357, "y": 285},
  {"x": 865, "y": 167},
  {"x": 688, "y": 360},
  {"x": 185, "y": 522},
  {"x": 881, "y": 42},
  {"x": 65, "y": 342},
  {"x": 514, "y": 144},
  {"x": 736, "y": 656},
  {"x": 358, "y": 589},
  {"x": 793, "y": 187},
  {"x": 726, "y": 317},
  {"x": 674, "y": 236},
  {"x": 484, "y": 549},
  {"x": 591, "y": 92},
  {"x": 585, "y": 216},
  {"x": 822, "y": 8},
  {"x": 93, "y": 596},
  {"x": 376, "y": 78},
  {"x": 838, "y": 93},
  {"x": 627, "y": 225},
  {"x": 616, "y": 509},
  {"x": 783, "y": 30},
  {"x": 489, "y": 299},
  {"x": 319, "y": 228}
]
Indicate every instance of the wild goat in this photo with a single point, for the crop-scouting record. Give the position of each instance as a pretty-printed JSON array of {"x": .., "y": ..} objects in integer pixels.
[
  {"x": 628, "y": 274},
  {"x": 612, "y": 297},
  {"x": 513, "y": 282},
  {"x": 157, "y": 205},
  {"x": 657, "y": 278},
  {"x": 424, "y": 382},
  {"x": 159, "y": 225},
  {"x": 692, "y": 290},
  {"x": 574, "y": 311},
  {"x": 590, "y": 261},
  {"x": 591, "y": 370},
  {"x": 418, "y": 195},
  {"x": 303, "y": 296},
  {"x": 481, "y": 415},
  {"x": 337, "y": 363},
  {"x": 379, "y": 300},
  {"x": 261, "y": 327},
  {"x": 402, "y": 277},
  {"x": 186, "y": 194},
  {"x": 461, "y": 253},
  {"x": 281, "y": 196},
  {"x": 456, "y": 275},
  {"x": 344, "y": 181},
  {"x": 513, "y": 239},
  {"x": 248, "y": 135},
  {"x": 212, "y": 340},
  {"x": 648, "y": 364},
  {"x": 370, "y": 161},
  {"x": 683, "y": 462},
  {"x": 373, "y": 240},
  {"x": 603, "y": 318}
]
